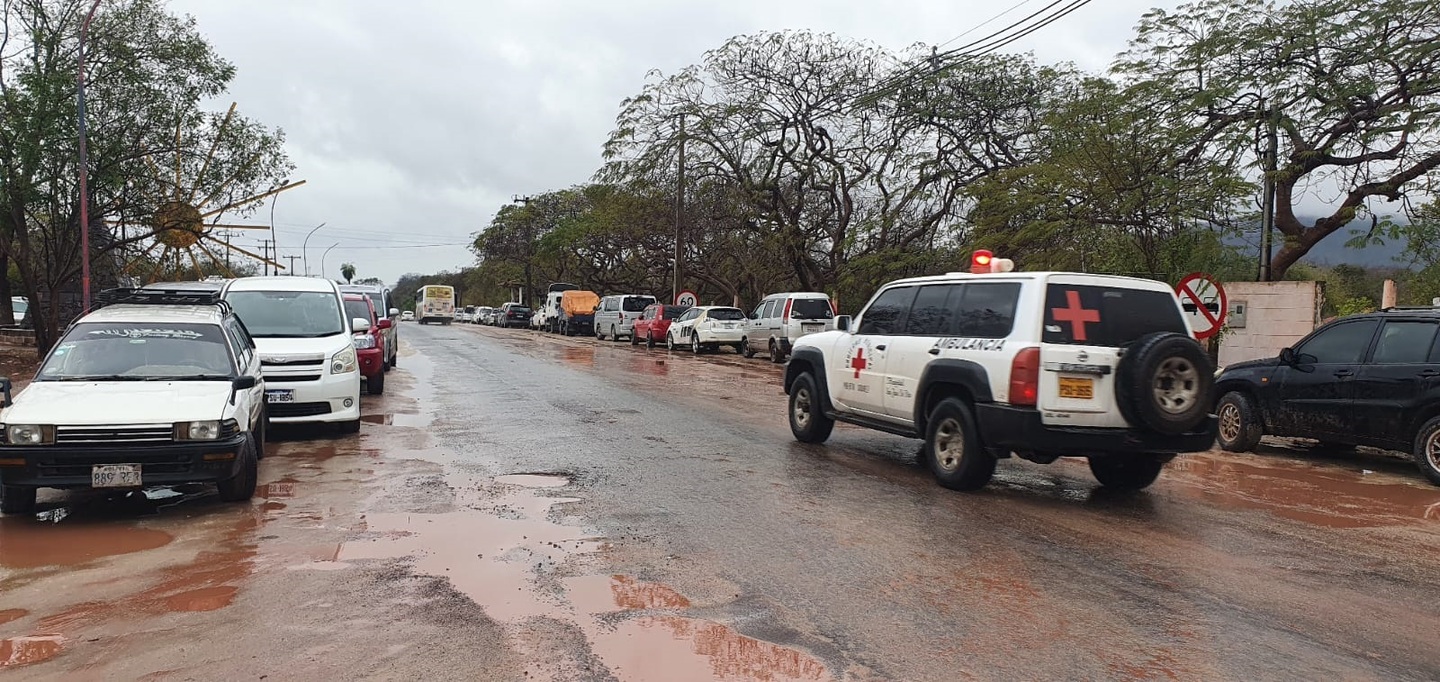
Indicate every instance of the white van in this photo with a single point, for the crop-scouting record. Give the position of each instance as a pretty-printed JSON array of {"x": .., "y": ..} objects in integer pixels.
[
  {"x": 307, "y": 355},
  {"x": 615, "y": 316},
  {"x": 781, "y": 319}
]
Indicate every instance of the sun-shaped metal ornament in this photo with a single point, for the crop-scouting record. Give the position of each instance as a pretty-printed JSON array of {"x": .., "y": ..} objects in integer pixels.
[{"x": 185, "y": 227}]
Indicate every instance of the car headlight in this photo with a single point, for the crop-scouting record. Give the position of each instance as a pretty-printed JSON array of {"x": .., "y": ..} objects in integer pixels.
[
  {"x": 364, "y": 341},
  {"x": 343, "y": 362},
  {"x": 29, "y": 434},
  {"x": 201, "y": 430}
]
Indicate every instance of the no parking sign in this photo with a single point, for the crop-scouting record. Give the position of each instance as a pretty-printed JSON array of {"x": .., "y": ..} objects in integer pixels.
[{"x": 1203, "y": 300}]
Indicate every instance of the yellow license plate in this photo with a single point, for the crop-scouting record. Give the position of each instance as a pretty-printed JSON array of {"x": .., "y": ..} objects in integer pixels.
[{"x": 1077, "y": 388}]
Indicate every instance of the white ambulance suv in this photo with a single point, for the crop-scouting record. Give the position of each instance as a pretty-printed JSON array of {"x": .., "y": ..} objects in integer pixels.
[
  {"x": 312, "y": 373},
  {"x": 1040, "y": 365}
]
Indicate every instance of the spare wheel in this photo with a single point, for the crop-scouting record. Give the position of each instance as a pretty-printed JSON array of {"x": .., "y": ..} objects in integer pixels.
[{"x": 1163, "y": 383}]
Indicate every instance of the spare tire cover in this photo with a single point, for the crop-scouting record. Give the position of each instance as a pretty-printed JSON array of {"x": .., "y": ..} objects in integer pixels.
[{"x": 1164, "y": 382}]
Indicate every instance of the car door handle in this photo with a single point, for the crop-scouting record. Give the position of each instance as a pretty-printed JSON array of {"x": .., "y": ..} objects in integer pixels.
[
  {"x": 1344, "y": 372},
  {"x": 1430, "y": 373},
  {"x": 934, "y": 350},
  {"x": 880, "y": 347}
]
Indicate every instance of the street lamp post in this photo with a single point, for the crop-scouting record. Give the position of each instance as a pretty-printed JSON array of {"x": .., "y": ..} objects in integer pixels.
[
  {"x": 322, "y": 260},
  {"x": 305, "y": 252},
  {"x": 84, "y": 179}
]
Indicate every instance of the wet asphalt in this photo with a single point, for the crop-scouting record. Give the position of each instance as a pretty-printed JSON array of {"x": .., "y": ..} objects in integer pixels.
[{"x": 525, "y": 506}]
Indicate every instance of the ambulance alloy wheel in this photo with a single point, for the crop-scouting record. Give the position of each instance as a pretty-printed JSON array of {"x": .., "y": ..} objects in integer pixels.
[{"x": 1163, "y": 383}]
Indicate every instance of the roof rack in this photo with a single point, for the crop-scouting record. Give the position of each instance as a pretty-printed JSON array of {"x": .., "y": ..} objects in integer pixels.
[
  {"x": 155, "y": 295},
  {"x": 1410, "y": 307}
]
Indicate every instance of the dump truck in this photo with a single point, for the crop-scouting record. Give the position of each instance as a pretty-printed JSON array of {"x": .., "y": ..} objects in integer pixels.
[{"x": 577, "y": 313}]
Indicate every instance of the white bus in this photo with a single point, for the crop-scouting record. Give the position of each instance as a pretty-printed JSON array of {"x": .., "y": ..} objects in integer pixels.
[{"x": 435, "y": 303}]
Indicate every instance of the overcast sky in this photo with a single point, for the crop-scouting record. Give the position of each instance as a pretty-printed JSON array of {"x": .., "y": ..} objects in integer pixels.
[{"x": 413, "y": 122}]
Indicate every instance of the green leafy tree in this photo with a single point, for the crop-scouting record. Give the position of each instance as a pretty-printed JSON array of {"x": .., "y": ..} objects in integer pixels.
[
  {"x": 347, "y": 270},
  {"x": 1352, "y": 89}
]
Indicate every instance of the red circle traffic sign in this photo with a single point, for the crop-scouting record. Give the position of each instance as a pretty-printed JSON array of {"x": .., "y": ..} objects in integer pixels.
[
  {"x": 1194, "y": 290},
  {"x": 687, "y": 298}
]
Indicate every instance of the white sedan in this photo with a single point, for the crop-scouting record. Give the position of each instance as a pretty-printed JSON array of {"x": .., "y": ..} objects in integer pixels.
[{"x": 707, "y": 328}]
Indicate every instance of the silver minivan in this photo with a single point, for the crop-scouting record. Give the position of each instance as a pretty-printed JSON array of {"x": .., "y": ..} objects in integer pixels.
[
  {"x": 780, "y": 319},
  {"x": 615, "y": 316}
]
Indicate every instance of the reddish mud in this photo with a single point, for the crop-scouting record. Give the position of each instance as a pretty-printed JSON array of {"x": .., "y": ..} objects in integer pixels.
[
  {"x": 667, "y": 648},
  {"x": 27, "y": 544},
  {"x": 7, "y": 615},
  {"x": 17, "y": 651}
]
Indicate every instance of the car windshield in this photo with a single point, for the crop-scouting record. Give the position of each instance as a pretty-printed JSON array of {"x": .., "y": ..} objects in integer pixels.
[
  {"x": 519, "y": 309},
  {"x": 288, "y": 314},
  {"x": 357, "y": 309},
  {"x": 127, "y": 351},
  {"x": 811, "y": 309},
  {"x": 635, "y": 304},
  {"x": 726, "y": 314}
]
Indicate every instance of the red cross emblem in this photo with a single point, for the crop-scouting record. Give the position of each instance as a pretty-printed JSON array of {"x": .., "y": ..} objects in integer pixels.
[
  {"x": 1076, "y": 314},
  {"x": 859, "y": 362}
]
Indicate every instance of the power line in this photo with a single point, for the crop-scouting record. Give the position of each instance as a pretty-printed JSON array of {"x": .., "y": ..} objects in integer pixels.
[{"x": 982, "y": 24}]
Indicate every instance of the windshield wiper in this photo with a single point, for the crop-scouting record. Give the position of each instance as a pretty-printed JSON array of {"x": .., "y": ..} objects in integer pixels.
[
  {"x": 108, "y": 377},
  {"x": 294, "y": 336},
  {"x": 202, "y": 377}
]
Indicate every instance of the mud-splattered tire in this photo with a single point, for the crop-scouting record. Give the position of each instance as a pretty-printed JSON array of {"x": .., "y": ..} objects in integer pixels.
[
  {"x": 745, "y": 348},
  {"x": 1163, "y": 383},
  {"x": 634, "y": 337},
  {"x": 16, "y": 499},
  {"x": 695, "y": 346},
  {"x": 776, "y": 356},
  {"x": 670, "y": 342},
  {"x": 808, "y": 421},
  {"x": 1427, "y": 450},
  {"x": 1124, "y": 472},
  {"x": 649, "y": 339},
  {"x": 953, "y": 451},
  {"x": 375, "y": 385},
  {"x": 1240, "y": 427},
  {"x": 242, "y": 486}
]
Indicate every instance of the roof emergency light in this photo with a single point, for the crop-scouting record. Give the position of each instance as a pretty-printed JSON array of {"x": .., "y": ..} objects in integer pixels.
[{"x": 984, "y": 262}]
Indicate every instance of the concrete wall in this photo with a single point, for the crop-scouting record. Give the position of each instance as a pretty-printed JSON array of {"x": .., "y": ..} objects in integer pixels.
[{"x": 1276, "y": 315}]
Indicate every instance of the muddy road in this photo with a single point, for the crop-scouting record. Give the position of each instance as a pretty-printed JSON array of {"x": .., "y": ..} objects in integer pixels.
[{"x": 526, "y": 507}]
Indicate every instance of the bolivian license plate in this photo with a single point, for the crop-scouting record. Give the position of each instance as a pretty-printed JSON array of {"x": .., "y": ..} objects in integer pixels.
[
  {"x": 280, "y": 396},
  {"x": 115, "y": 476},
  {"x": 811, "y": 328},
  {"x": 1077, "y": 388}
]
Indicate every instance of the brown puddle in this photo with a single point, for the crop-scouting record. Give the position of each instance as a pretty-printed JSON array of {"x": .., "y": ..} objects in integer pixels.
[
  {"x": 1299, "y": 491},
  {"x": 17, "y": 651},
  {"x": 666, "y": 648},
  {"x": 8, "y": 615},
  {"x": 413, "y": 421},
  {"x": 600, "y": 594},
  {"x": 204, "y": 584},
  {"x": 25, "y": 543}
]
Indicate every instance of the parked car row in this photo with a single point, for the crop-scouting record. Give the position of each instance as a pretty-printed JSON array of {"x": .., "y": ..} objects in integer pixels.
[{"x": 180, "y": 382}]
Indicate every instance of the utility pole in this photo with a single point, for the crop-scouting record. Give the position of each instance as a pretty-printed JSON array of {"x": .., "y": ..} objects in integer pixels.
[
  {"x": 265, "y": 264},
  {"x": 292, "y": 258},
  {"x": 679, "y": 214},
  {"x": 1268, "y": 201},
  {"x": 227, "y": 234},
  {"x": 529, "y": 248}
]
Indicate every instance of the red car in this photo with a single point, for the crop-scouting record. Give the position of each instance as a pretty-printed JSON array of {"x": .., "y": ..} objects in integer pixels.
[
  {"x": 369, "y": 345},
  {"x": 654, "y": 322}
]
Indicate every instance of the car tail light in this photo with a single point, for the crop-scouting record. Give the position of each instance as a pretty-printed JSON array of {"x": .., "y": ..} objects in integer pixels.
[
  {"x": 786, "y": 318},
  {"x": 1025, "y": 377}
]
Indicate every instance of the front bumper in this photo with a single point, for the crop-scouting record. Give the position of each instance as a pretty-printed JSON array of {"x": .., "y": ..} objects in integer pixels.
[
  {"x": 69, "y": 466},
  {"x": 1019, "y": 428},
  {"x": 319, "y": 401}
]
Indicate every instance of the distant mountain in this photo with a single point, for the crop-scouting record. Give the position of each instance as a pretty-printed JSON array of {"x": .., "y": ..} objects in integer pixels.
[{"x": 1333, "y": 251}]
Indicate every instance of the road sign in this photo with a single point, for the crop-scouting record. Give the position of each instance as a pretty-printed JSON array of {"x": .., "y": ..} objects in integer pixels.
[
  {"x": 687, "y": 298},
  {"x": 1203, "y": 299}
]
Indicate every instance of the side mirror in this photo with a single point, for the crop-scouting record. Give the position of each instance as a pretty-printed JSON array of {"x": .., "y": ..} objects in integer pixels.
[
  {"x": 394, "y": 312},
  {"x": 359, "y": 325},
  {"x": 244, "y": 383},
  {"x": 1287, "y": 356},
  {"x": 5, "y": 386},
  {"x": 842, "y": 323},
  {"x": 384, "y": 324}
]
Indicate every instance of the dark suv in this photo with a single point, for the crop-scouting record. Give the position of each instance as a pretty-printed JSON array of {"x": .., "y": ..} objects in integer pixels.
[
  {"x": 513, "y": 315},
  {"x": 1371, "y": 379}
]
